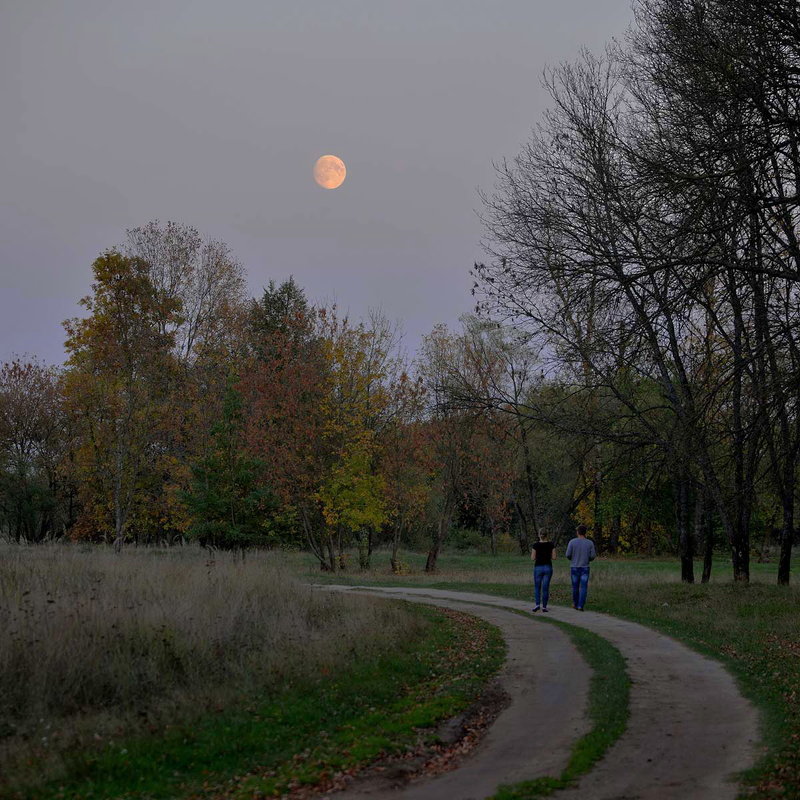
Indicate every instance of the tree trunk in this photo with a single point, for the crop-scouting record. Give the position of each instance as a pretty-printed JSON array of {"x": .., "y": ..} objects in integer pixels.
[
  {"x": 433, "y": 555},
  {"x": 364, "y": 550},
  {"x": 741, "y": 559},
  {"x": 704, "y": 524},
  {"x": 735, "y": 521},
  {"x": 597, "y": 531},
  {"x": 740, "y": 541},
  {"x": 331, "y": 553},
  {"x": 740, "y": 546},
  {"x": 787, "y": 539},
  {"x": 708, "y": 556},
  {"x": 685, "y": 539},
  {"x": 441, "y": 532},
  {"x": 396, "y": 537},
  {"x": 648, "y": 537},
  {"x": 118, "y": 517},
  {"x": 531, "y": 486},
  {"x": 522, "y": 538},
  {"x": 616, "y": 530},
  {"x": 316, "y": 546},
  {"x": 339, "y": 550}
]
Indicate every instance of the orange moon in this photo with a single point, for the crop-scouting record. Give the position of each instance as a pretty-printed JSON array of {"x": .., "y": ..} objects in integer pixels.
[{"x": 329, "y": 172}]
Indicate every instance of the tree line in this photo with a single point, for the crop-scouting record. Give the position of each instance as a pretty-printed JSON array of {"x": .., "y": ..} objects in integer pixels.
[
  {"x": 646, "y": 241},
  {"x": 188, "y": 411}
]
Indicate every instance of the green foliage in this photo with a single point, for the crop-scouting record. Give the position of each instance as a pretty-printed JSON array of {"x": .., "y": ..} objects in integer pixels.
[
  {"x": 467, "y": 539},
  {"x": 32, "y": 445},
  {"x": 27, "y": 505},
  {"x": 353, "y": 495},
  {"x": 282, "y": 311},
  {"x": 230, "y": 505}
]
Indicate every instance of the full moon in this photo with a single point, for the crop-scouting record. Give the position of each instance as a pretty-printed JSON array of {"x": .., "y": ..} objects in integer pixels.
[{"x": 329, "y": 172}]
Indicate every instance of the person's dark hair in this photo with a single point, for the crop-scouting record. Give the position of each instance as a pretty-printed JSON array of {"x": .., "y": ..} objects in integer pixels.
[{"x": 581, "y": 530}]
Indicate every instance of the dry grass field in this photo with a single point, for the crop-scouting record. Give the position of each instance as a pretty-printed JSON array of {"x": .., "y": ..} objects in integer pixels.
[{"x": 96, "y": 646}]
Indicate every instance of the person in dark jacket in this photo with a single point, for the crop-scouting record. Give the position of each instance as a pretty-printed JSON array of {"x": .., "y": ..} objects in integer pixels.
[{"x": 542, "y": 554}]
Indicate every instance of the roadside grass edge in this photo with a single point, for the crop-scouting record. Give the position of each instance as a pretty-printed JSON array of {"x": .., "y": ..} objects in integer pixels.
[
  {"x": 339, "y": 725},
  {"x": 608, "y": 708},
  {"x": 770, "y": 704}
]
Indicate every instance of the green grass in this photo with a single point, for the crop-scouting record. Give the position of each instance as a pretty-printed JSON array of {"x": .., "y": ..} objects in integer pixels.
[
  {"x": 608, "y": 706},
  {"x": 511, "y": 567},
  {"x": 308, "y": 731},
  {"x": 754, "y": 630}
]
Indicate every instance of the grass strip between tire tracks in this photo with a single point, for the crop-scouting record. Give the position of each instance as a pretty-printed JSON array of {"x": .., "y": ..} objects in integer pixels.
[
  {"x": 608, "y": 710},
  {"x": 765, "y": 675},
  {"x": 308, "y": 733}
]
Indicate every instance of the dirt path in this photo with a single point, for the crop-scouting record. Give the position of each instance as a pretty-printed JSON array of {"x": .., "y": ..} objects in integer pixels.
[
  {"x": 689, "y": 731},
  {"x": 547, "y": 682}
]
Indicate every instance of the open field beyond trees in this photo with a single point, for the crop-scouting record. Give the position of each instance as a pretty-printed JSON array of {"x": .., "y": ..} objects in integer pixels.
[{"x": 126, "y": 675}]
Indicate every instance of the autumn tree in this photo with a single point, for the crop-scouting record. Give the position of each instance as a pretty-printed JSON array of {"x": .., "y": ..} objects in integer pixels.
[
  {"x": 317, "y": 387},
  {"x": 200, "y": 277},
  {"x": 405, "y": 461},
  {"x": 352, "y": 496},
  {"x": 35, "y": 493},
  {"x": 449, "y": 431},
  {"x": 117, "y": 382},
  {"x": 286, "y": 382}
]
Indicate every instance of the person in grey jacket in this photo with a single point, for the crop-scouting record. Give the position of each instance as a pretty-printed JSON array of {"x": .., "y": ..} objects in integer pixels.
[{"x": 580, "y": 551}]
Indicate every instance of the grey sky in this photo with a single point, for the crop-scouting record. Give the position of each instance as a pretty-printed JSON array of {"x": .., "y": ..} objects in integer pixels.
[{"x": 213, "y": 113}]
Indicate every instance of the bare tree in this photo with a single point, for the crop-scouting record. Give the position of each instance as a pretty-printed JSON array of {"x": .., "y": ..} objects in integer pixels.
[{"x": 201, "y": 274}]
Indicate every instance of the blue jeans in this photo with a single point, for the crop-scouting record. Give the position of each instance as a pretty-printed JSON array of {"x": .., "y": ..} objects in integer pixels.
[
  {"x": 580, "y": 585},
  {"x": 541, "y": 584}
]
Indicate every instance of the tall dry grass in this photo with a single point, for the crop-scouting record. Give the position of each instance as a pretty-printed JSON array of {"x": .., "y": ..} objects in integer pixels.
[{"x": 95, "y": 645}]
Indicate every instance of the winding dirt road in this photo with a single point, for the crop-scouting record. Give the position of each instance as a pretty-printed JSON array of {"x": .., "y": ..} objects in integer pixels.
[{"x": 690, "y": 730}]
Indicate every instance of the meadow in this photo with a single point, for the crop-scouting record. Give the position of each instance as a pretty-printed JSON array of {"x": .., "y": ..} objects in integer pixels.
[
  {"x": 167, "y": 672},
  {"x": 94, "y": 646}
]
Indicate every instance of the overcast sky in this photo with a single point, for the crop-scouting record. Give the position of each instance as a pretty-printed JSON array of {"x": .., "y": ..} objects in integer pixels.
[{"x": 113, "y": 113}]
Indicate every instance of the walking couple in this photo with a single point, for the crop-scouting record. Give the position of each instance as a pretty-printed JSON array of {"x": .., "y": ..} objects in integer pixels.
[{"x": 580, "y": 551}]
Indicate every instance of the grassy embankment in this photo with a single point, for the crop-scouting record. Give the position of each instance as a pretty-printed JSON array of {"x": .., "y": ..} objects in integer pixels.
[
  {"x": 168, "y": 675},
  {"x": 754, "y": 630}
]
